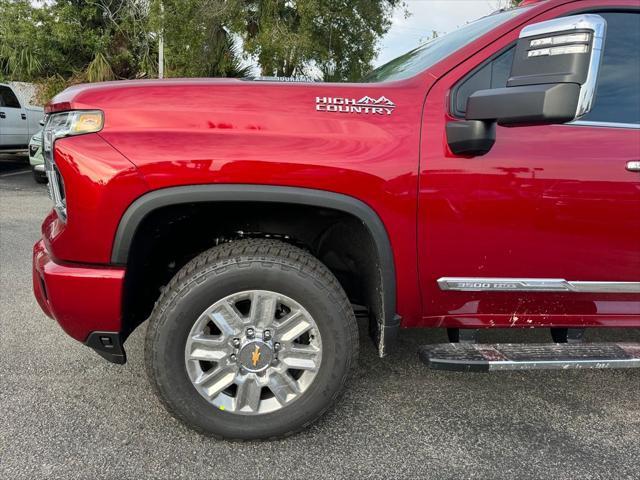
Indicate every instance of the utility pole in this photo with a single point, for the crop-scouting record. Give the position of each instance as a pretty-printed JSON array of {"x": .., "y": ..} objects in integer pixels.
[{"x": 161, "y": 43}]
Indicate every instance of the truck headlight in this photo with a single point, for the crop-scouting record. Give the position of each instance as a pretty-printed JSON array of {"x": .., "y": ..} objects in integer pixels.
[
  {"x": 59, "y": 125},
  {"x": 75, "y": 122}
]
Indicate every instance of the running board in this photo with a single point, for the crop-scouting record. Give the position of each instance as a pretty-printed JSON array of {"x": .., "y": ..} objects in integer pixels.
[{"x": 470, "y": 357}]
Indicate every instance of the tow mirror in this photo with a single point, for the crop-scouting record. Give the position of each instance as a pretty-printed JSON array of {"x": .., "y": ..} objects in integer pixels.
[{"x": 553, "y": 80}]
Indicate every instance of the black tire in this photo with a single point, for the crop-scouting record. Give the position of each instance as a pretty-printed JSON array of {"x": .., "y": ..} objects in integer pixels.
[
  {"x": 227, "y": 269},
  {"x": 39, "y": 177}
]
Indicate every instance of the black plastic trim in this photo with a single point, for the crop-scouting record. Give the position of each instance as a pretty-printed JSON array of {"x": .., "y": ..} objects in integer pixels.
[
  {"x": 151, "y": 201},
  {"x": 108, "y": 345},
  {"x": 523, "y": 105},
  {"x": 453, "y": 98},
  {"x": 389, "y": 334},
  {"x": 471, "y": 137},
  {"x": 17, "y": 146}
]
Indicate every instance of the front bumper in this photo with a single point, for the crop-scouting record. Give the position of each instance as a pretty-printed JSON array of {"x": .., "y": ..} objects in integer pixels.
[{"x": 85, "y": 300}]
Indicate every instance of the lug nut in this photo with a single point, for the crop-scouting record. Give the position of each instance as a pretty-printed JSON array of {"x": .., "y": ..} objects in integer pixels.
[
  {"x": 276, "y": 346},
  {"x": 266, "y": 335},
  {"x": 232, "y": 357},
  {"x": 250, "y": 332},
  {"x": 236, "y": 342}
]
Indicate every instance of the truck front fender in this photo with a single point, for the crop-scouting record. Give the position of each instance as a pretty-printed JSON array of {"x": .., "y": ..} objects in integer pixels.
[{"x": 387, "y": 326}]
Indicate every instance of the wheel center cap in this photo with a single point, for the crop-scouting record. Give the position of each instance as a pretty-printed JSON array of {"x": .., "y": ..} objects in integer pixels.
[{"x": 255, "y": 356}]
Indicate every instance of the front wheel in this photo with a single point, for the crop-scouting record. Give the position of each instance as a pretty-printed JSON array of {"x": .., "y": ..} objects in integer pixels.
[{"x": 252, "y": 339}]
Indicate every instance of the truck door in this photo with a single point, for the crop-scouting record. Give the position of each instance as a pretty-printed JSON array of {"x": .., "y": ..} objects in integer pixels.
[
  {"x": 14, "y": 130},
  {"x": 548, "y": 206}
]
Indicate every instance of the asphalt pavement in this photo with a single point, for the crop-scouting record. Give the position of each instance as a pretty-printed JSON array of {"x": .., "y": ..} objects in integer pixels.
[{"x": 66, "y": 413}]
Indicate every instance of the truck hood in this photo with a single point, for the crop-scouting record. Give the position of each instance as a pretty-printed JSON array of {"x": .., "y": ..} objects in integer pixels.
[
  {"x": 256, "y": 121},
  {"x": 74, "y": 96},
  {"x": 200, "y": 103}
]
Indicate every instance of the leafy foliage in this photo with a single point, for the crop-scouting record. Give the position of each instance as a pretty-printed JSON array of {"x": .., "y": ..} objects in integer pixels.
[
  {"x": 197, "y": 44},
  {"x": 18, "y": 21},
  {"x": 60, "y": 42},
  {"x": 338, "y": 38}
]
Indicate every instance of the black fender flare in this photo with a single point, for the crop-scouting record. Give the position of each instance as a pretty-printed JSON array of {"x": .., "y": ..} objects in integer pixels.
[{"x": 145, "y": 204}]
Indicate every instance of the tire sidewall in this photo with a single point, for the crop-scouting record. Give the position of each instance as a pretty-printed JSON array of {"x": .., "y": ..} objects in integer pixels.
[{"x": 211, "y": 283}]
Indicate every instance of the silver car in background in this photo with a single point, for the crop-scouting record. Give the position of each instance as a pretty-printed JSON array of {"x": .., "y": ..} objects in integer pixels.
[
  {"x": 36, "y": 160},
  {"x": 18, "y": 121}
]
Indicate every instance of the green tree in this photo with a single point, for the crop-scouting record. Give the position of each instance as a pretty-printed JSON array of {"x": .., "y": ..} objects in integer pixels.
[
  {"x": 19, "y": 59},
  {"x": 66, "y": 38},
  {"x": 335, "y": 37},
  {"x": 58, "y": 42},
  {"x": 61, "y": 42},
  {"x": 196, "y": 42}
]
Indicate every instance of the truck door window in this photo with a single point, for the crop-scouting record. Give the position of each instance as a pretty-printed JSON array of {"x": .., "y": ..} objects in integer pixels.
[
  {"x": 9, "y": 99},
  {"x": 492, "y": 74},
  {"x": 618, "y": 93}
]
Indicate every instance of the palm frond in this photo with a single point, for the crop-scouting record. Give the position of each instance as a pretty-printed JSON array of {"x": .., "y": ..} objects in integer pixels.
[
  {"x": 19, "y": 63},
  {"x": 99, "y": 70}
]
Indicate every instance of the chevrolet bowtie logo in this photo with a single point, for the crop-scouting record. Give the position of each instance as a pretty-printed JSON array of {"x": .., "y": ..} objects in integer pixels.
[{"x": 255, "y": 356}]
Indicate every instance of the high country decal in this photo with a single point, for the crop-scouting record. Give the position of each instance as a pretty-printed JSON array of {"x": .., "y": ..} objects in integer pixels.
[{"x": 366, "y": 105}]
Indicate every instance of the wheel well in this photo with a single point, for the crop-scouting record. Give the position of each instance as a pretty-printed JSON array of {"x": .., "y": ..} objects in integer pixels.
[{"x": 168, "y": 237}]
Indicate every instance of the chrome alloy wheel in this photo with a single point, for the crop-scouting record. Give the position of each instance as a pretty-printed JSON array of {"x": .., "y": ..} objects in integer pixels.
[{"x": 253, "y": 352}]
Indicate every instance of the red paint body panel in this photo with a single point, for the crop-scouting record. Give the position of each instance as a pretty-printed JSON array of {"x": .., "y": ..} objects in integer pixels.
[
  {"x": 100, "y": 184},
  {"x": 545, "y": 202},
  {"x": 259, "y": 133},
  {"x": 82, "y": 299}
]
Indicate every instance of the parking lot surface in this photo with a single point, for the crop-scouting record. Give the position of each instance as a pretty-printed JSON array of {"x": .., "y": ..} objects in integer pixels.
[{"x": 66, "y": 413}]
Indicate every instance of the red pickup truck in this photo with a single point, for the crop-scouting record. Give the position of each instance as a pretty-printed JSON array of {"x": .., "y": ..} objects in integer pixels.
[{"x": 486, "y": 179}]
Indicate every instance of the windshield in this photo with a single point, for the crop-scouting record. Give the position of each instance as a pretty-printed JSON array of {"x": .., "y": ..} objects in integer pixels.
[{"x": 434, "y": 50}]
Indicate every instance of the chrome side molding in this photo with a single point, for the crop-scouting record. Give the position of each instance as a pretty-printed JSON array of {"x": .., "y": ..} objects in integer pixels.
[{"x": 481, "y": 284}]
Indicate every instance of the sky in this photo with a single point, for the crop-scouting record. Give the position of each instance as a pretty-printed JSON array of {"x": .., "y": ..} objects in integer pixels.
[{"x": 443, "y": 16}]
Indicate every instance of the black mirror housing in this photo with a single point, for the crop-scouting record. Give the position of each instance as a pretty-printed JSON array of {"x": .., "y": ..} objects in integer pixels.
[
  {"x": 526, "y": 105},
  {"x": 553, "y": 80},
  {"x": 555, "y": 67},
  {"x": 558, "y": 68},
  {"x": 471, "y": 137}
]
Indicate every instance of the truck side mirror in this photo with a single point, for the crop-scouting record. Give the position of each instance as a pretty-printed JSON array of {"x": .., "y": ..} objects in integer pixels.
[{"x": 553, "y": 80}]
